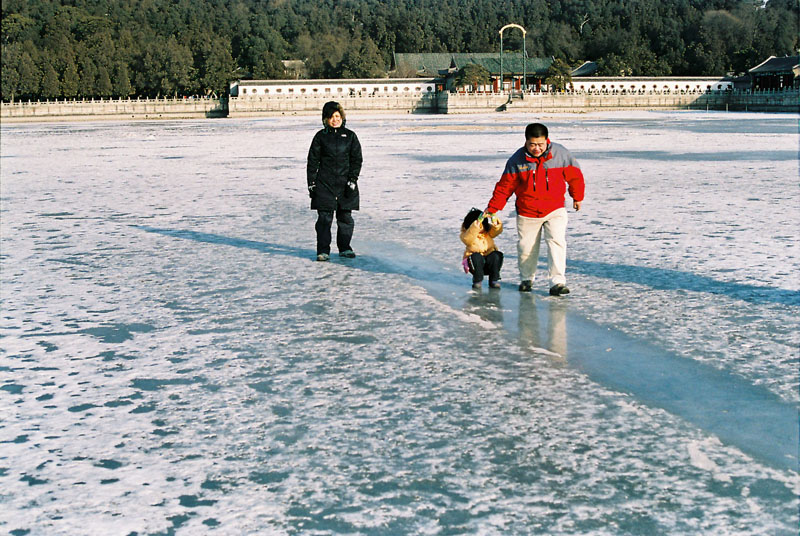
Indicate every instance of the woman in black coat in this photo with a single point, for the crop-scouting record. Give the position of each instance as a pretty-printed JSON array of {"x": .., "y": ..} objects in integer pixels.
[{"x": 334, "y": 163}]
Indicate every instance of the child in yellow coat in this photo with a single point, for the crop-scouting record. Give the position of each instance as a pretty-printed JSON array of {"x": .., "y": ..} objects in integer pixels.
[{"x": 481, "y": 256}]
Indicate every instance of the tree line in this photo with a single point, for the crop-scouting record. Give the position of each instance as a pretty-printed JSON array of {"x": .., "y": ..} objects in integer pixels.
[{"x": 119, "y": 48}]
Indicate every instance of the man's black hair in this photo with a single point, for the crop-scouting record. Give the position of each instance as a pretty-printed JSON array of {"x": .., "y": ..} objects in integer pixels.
[{"x": 536, "y": 130}]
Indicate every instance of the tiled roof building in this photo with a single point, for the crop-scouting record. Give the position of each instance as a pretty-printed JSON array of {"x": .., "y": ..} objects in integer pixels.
[
  {"x": 440, "y": 63},
  {"x": 776, "y": 73},
  {"x": 447, "y": 64}
]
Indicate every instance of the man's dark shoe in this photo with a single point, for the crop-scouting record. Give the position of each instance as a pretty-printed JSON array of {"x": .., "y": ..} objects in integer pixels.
[
  {"x": 476, "y": 285},
  {"x": 322, "y": 257},
  {"x": 348, "y": 254},
  {"x": 525, "y": 286},
  {"x": 559, "y": 290},
  {"x": 494, "y": 284}
]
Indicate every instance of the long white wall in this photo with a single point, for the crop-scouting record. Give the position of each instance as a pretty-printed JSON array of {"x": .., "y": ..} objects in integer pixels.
[
  {"x": 645, "y": 85},
  {"x": 332, "y": 88},
  {"x": 247, "y": 89}
]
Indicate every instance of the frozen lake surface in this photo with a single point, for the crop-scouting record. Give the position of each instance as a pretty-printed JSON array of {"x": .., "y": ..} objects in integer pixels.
[{"x": 173, "y": 361}]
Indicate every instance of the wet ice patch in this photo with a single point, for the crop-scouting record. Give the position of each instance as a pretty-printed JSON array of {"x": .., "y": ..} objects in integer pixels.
[{"x": 464, "y": 316}]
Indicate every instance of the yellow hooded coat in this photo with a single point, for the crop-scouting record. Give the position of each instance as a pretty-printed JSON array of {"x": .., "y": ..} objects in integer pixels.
[{"x": 478, "y": 240}]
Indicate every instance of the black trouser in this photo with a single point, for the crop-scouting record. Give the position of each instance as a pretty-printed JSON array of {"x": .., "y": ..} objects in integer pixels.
[
  {"x": 344, "y": 230},
  {"x": 490, "y": 265}
]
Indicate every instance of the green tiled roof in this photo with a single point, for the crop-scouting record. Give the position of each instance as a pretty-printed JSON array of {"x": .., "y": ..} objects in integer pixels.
[
  {"x": 777, "y": 65},
  {"x": 512, "y": 62},
  {"x": 432, "y": 63},
  {"x": 425, "y": 63},
  {"x": 587, "y": 68}
]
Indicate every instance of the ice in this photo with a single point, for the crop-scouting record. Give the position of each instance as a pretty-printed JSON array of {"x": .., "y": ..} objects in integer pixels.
[{"x": 174, "y": 361}]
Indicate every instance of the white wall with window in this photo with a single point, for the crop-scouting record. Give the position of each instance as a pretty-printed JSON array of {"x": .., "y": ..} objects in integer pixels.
[
  {"x": 645, "y": 85},
  {"x": 332, "y": 88}
]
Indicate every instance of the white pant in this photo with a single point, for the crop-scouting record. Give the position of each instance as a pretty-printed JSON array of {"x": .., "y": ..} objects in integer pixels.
[{"x": 530, "y": 230}]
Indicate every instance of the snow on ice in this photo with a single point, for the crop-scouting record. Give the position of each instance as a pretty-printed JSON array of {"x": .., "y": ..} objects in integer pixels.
[{"x": 172, "y": 360}]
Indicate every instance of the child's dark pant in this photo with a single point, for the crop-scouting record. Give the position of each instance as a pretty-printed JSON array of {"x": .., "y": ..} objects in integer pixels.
[
  {"x": 489, "y": 265},
  {"x": 344, "y": 230}
]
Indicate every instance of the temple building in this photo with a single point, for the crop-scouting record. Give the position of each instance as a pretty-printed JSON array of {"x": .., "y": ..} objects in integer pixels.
[
  {"x": 516, "y": 72},
  {"x": 445, "y": 67},
  {"x": 776, "y": 74}
]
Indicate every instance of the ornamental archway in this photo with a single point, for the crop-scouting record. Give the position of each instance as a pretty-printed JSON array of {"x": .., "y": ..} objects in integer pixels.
[{"x": 524, "y": 57}]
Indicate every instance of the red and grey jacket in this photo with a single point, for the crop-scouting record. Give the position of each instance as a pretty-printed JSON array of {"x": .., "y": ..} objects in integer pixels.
[{"x": 540, "y": 183}]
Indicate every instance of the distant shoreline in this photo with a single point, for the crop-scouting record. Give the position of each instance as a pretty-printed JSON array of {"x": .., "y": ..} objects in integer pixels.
[{"x": 443, "y": 103}]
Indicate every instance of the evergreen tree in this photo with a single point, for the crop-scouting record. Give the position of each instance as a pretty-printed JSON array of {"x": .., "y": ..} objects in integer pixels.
[
  {"x": 362, "y": 59},
  {"x": 70, "y": 81},
  {"x": 175, "y": 61},
  {"x": 217, "y": 67},
  {"x": 17, "y": 28},
  {"x": 268, "y": 67},
  {"x": 613, "y": 65},
  {"x": 148, "y": 74},
  {"x": 104, "y": 88},
  {"x": 122, "y": 82},
  {"x": 323, "y": 54},
  {"x": 87, "y": 77},
  {"x": 51, "y": 88},
  {"x": 559, "y": 75},
  {"x": 9, "y": 81},
  {"x": 30, "y": 75},
  {"x": 201, "y": 45},
  {"x": 473, "y": 75}
]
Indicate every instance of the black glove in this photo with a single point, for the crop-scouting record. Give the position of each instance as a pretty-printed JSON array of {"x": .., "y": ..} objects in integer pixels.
[{"x": 311, "y": 188}]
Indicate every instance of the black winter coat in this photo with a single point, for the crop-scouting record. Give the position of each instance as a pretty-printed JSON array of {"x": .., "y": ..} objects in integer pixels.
[{"x": 334, "y": 159}]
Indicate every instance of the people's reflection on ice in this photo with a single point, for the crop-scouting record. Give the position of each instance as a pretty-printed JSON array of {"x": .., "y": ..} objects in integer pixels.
[
  {"x": 543, "y": 326},
  {"x": 487, "y": 305}
]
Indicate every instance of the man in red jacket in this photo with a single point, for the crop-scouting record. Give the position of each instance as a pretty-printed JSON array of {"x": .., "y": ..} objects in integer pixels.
[{"x": 540, "y": 173}]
